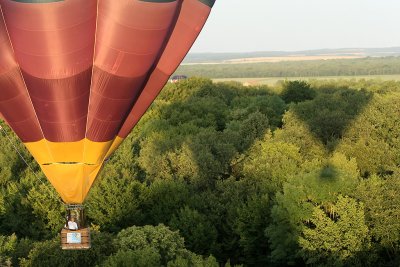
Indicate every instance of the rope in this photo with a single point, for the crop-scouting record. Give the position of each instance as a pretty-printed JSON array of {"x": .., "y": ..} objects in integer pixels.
[{"x": 29, "y": 167}]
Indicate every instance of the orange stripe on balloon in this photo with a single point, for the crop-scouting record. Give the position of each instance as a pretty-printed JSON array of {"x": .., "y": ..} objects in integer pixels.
[
  {"x": 53, "y": 44},
  {"x": 130, "y": 35},
  {"x": 15, "y": 104}
]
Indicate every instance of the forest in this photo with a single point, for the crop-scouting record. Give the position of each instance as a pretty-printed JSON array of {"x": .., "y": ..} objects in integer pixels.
[
  {"x": 311, "y": 68},
  {"x": 218, "y": 174}
]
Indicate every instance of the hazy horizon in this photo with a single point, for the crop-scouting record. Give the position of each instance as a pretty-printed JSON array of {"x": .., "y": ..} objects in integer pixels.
[
  {"x": 291, "y": 51},
  {"x": 299, "y": 25}
]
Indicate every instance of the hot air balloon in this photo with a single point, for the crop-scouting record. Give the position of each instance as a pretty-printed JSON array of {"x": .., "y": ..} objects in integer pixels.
[{"x": 77, "y": 75}]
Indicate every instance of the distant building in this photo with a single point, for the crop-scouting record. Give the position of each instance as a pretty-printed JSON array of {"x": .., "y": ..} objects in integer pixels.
[{"x": 177, "y": 78}]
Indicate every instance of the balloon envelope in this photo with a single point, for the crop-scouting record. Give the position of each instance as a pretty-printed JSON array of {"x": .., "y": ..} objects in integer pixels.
[{"x": 77, "y": 75}]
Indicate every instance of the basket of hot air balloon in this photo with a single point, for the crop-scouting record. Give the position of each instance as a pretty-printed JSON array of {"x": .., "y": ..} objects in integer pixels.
[{"x": 77, "y": 75}]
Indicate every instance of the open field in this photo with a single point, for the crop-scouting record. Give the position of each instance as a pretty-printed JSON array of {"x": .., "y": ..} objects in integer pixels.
[
  {"x": 274, "y": 80},
  {"x": 278, "y": 59},
  {"x": 196, "y": 58},
  {"x": 305, "y": 68},
  {"x": 287, "y": 58}
]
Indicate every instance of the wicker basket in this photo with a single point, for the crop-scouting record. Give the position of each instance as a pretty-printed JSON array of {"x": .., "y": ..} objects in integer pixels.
[{"x": 75, "y": 239}]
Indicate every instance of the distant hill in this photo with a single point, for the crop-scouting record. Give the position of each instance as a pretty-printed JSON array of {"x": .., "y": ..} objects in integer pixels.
[
  {"x": 295, "y": 66},
  {"x": 275, "y": 56}
]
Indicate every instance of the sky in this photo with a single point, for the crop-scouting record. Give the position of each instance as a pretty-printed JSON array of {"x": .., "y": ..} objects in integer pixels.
[{"x": 293, "y": 25}]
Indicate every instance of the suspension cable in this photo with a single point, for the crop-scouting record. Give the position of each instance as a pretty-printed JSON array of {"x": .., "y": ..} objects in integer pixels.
[{"x": 24, "y": 160}]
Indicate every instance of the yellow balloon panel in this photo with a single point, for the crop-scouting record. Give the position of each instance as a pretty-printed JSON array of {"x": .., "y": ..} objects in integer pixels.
[
  {"x": 72, "y": 167},
  {"x": 72, "y": 181},
  {"x": 84, "y": 151}
]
